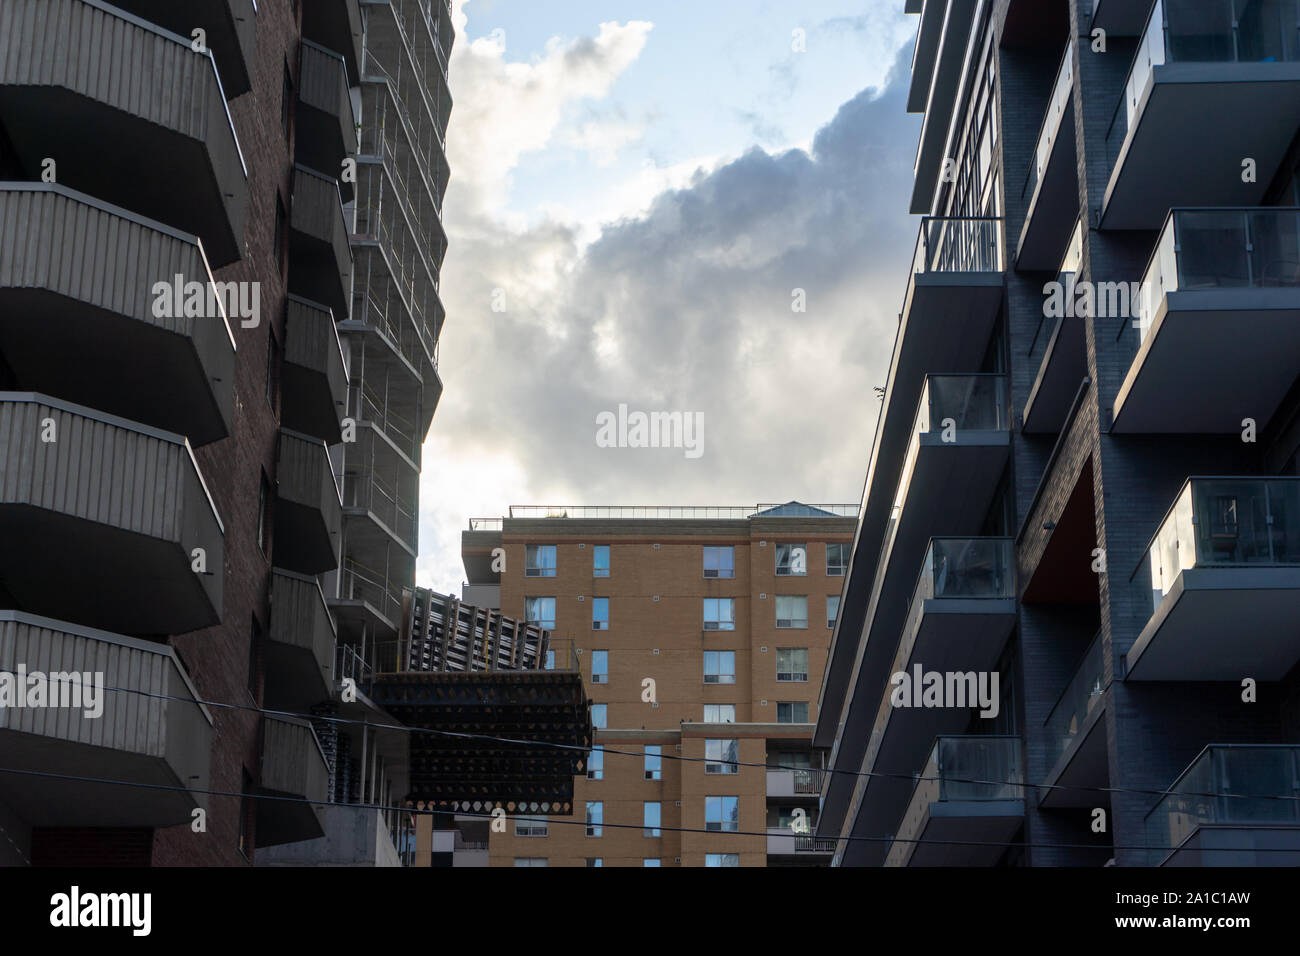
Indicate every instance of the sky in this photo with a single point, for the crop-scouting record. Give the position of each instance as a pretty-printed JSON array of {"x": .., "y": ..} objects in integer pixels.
[{"x": 673, "y": 207}]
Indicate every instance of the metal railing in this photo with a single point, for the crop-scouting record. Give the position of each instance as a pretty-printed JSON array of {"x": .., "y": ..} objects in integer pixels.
[
  {"x": 678, "y": 512},
  {"x": 958, "y": 244}
]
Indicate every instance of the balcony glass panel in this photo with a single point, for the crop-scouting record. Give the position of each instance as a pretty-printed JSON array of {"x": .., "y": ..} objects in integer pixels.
[
  {"x": 1078, "y": 699},
  {"x": 958, "y": 244},
  {"x": 1056, "y": 107},
  {"x": 966, "y": 568},
  {"x": 976, "y": 768}
]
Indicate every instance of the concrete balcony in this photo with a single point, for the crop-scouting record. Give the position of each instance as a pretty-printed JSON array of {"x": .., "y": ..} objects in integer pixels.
[
  {"x": 1235, "y": 805},
  {"x": 314, "y": 375},
  {"x": 230, "y": 25},
  {"x": 925, "y": 53},
  {"x": 325, "y": 130},
  {"x": 949, "y": 60},
  {"x": 782, "y": 841},
  {"x": 970, "y": 792},
  {"x": 1218, "y": 323},
  {"x": 128, "y": 509},
  {"x": 1052, "y": 186},
  {"x": 77, "y": 308},
  {"x": 164, "y": 143},
  {"x": 1238, "y": 72},
  {"x": 354, "y": 836},
  {"x": 1064, "y": 363},
  {"x": 150, "y": 741},
  {"x": 300, "y": 649},
  {"x": 293, "y": 766},
  {"x": 336, "y": 25},
  {"x": 320, "y": 259},
  {"x": 1228, "y": 551},
  {"x": 308, "y": 509},
  {"x": 1119, "y": 18}
]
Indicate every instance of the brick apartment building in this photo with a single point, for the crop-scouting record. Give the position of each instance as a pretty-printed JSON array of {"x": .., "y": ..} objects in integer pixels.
[
  {"x": 1100, "y": 504},
  {"x": 727, "y": 611}
]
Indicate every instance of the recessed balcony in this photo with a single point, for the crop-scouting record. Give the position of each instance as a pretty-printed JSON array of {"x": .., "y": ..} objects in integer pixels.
[
  {"x": 1052, "y": 186},
  {"x": 76, "y": 309},
  {"x": 970, "y": 792},
  {"x": 1233, "y": 66},
  {"x": 151, "y": 731},
  {"x": 320, "y": 259},
  {"x": 308, "y": 509},
  {"x": 1235, "y": 805},
  {"x": 1218, "y": 323},
  {"x": 794, "y": 784},
  {"x": 782, "y": 841},
  {"x": 314, "y": 375},
  {"x": 300, "y": 649},
  {"x": 230, "y": 25},
  {"x": 293, "y": 767},
  {"x": 164, "y": 145},
  {"x": 1076, "y": 738},
  {"x": 1227, "y": 552},
  {"x": 325, "y": 126},
  {"x": 140, "y": 549}
]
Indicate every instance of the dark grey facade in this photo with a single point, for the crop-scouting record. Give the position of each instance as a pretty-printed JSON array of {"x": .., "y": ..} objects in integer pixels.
[{"x": 1084, "y": 480}]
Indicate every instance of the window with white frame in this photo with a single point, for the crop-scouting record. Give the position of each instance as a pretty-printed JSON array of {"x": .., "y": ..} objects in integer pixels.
[
  {"x": 791, "y": 664},
  {"x": 719, "y": 713},
  {"x": 540, "y": 611},
  {"x": 650, "y": 819},
  {"x": 595, "y": 817},
  {"x": 719, "y": 614},
  {"x": 720, "y": 756},
  {"x": 791, "y": 610},
  {"x": 792, "y": 712},
  {"x": 832, "y": 609},
  {"x": 722, "y": 859},
  {"x": 719, "y": 667},
  {"x": 600, "y": 667},
  {"x": 720, "y": 562},
  {"x": 653, "y": 762},
  {"x": 596, "y": 764},
  {"x": 600, "y": 561},
  {"x": 791, "y": 560},
  {"x": 722, "y": 814},
  {"x": 600, "y": 614},
  {"x": 530, "y": 861},
  {"x": 837, "y": 559},
  {"x": 530, "y": 826},
  {"x": 539, "y": 561}
]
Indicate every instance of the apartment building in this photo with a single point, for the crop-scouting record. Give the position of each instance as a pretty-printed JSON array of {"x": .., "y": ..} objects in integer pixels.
[
  {"x": 701, "y": 635},
  {"x": 1084, "y": 480},
  {"x": 219, "y": 248}
]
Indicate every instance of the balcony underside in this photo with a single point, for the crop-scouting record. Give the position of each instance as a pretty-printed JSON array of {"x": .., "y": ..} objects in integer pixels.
[
  {"x": 1243, "y": 846},
  {"x": 1054, "y": 208},
  {"x": 928, "y": 34},
  {"x": 950, "y": 59},
  {"x": 294, "y": 785},
  {"x": 1222, "y": 624},
  {"x": 1212, "y": 358},
  {"x": 1082, "y": 772},
  {"x": 1196, "y": 125},
  {"x": 967, "y": 823},
  {"x": 325, "y": 131},
  {"x": 231, "y": 27},
  {"x": 320, "y": 261},
  {"x": 300, "y": 648},
  {"x": 1064, "y": 366},
  {"x": 1120, "y": 18},
  {"x": 336, "y": 25}
]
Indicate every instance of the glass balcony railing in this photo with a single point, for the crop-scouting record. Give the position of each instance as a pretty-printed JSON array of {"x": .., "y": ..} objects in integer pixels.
[
  {"x": 1217, "y": 522},
  {"x": 963, "y": 402},
  {"x": 1067, "y": 275},
  {"x": 1051, "y": 127},
  {"x": 1234, "y": 785},
  {"x": 958, "y": 244},
  {"x": 1257, "y": 248},
  {"x": 1076, "y": 702},
  {"x": 966, "y": 568},
  {"x": 1204, "y": 31}
]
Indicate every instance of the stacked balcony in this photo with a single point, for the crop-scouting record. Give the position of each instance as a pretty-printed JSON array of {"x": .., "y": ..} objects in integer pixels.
[
  {"x": 1064, "y": 363},
  {"x": 1227, "y": 552},
  {"x": 325, "y": 126},
  {"x": 1218, "y": 323},
  {"x": 294, "y": 782},
  {"x": 308, "y": 510},
  {"x": 1052, "y": 186},
  {"x": 336, "y": 25},
  {"x": 230, "y": 27},
  {"x": 300, "y": 649},
  {"x": 1077, "y": 750},
  {"x": 320, "y": 261},
  {"x": 314, "y": 374},
  {"x": 165, "y": 149},
  {"x": 1234, "y": 65}
]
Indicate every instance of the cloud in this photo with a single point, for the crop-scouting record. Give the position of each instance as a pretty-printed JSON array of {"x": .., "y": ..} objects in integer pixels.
[{"x": 685, "y": 306}]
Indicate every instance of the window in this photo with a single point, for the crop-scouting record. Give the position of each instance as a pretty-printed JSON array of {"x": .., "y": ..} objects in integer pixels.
[
  {"x": 791, "y": 610},
  {"x": 719, "y": 713},
  {"x": 272, "y": 370},
  {"x": 719, "y": 667},
  {"x": 792, "y": 560},
  {"x": 540, "y": 611},
  {"x": 720, "y": 562},
  {"x": 722, "y": 814},
  {"x": 653, "y": 762},
  {"x": 600, "y": 614},
  {"x": 286, "y": 100},
  {"x": 598, "y": 714},
  {"x": 600, "y": 561},
  {"x": 720, "y": 756},
  {"x": 530, "y": 826},
  {"x": 263, "y": 500},
  {"x": 530, "y": 861},
  {"x": 595, "y": 817},
  {"x": 832, "y": 609},
  {"x": 596, "y": 764},
  {"x": 600, "y": 667},
  {"x": 650, "y": 819},
  {"x": 650, "y": 861},
  {"x": 792, "y": 712},
  {"x": 281, "y": 226},
  {"x": 791, "y": 664},
  {"x": 550, "y": 660},
  {"x": 719, "y": 614},
  {"x": 539, "y": 561},
  {"x": 837, "y": 559},
  {"x": 595, "y": 861},
  {"x": 722, "y": 859}
]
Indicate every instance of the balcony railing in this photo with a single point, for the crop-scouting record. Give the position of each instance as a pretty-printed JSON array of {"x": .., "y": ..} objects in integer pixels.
[
  {"x": 1076, "y": 702},
  {"x": 1051, "y": 125},
  {"x": 1223, "y": 522},
  {"x": 1199, "y": 249},
  {"x": 966, "y": 568},
  {"x": 360, "y": 583},
  {"x": 680, "y": 512},
  {"x": 486, "y": 524},
  {"x": 1234, "y": 785},
  {"x": 1204, "y": 31},
  {"x": 958, "y": 244}
]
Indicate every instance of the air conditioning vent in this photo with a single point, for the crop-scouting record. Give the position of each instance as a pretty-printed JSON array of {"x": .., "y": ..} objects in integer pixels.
[
  {"x": 710, "y": 572},
  {"x": 784, "y": 622},
  {"x": 711, "y": 625},
  {"x": 532, "y": 572}
]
